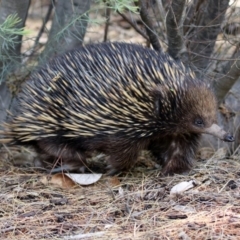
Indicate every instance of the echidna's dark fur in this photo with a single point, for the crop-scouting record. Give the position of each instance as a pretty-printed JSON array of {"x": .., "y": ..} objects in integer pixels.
[{"x": 115, "y": 98}]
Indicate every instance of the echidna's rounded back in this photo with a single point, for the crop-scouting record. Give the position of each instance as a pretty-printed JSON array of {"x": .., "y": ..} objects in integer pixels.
[{"x": 97, "y": 89}]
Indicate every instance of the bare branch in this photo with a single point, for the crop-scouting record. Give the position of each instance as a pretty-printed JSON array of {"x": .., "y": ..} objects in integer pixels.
[
  {"x": 45, "y": 21},
  {"x": 108, "y": 13},
  {"x": 231, "y": 74},
  {"x": 153, "y": 37},
  {"x": 191, "y": 13},
  {"x": 137, "y": 29},
  {"x": 174, "y": 31}
]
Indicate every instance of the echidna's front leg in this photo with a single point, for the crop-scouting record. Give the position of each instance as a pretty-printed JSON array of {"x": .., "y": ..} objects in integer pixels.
[{"x": 180, "y": 154}]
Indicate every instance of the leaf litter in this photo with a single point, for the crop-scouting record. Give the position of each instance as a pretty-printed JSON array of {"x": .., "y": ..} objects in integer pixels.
[{"x": 136, "y": 204}]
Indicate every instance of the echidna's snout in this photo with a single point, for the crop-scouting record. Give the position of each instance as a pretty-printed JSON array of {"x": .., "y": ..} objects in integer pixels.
[
  {"x": 228, "y": 138},
  {"x": 217, "y": 131}
]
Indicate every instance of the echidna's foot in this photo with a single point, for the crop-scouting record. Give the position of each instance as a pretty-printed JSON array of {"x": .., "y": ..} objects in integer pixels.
[{"x": 176, "y": 166}]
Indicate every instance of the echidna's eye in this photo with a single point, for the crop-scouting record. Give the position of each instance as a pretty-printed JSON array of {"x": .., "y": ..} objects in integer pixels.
[{"x": 199, "y": 122}]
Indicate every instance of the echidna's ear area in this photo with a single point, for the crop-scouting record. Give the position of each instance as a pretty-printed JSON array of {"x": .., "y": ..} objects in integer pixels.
[{"x": 159, "y": 95}]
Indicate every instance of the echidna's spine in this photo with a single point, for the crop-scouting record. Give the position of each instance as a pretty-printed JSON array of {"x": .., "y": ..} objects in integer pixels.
[{"x": 77, "y": 82}]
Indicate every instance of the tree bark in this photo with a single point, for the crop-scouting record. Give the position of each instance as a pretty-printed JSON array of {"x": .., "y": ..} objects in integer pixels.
[
  {"x": 153, "y": 37},
  {"x": 19, "y": 7},
  {"x": 230, "y": 73},
  {"x": 201, "y": 40},
  {"x": 68, "y": 27},
  {"x": 13, "y": 55},
  {"x": 174, "y": 27}
]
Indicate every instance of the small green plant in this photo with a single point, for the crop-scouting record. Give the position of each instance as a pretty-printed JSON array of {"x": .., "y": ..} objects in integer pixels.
[
  {"x": 9, "y": 32},
  {"x": 121, "y": 5},
  {"x": 9, "y": 39}
]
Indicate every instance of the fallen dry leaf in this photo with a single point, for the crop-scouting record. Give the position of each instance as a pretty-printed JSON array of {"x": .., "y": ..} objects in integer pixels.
[
  {"x": 59, "y": 179},
  {"x": 182, "y": 187},
  {"x": 84, "y": 179},
  {"x": 113, "y": 181}
]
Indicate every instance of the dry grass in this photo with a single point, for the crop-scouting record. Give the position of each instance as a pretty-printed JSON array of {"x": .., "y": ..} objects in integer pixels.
[{"x": 137, "y": 205}]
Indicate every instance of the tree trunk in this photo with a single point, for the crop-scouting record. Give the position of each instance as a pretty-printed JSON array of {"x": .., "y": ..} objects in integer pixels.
[
  {"x": 174, "y": 28},
  {"x": 208, "y": 18},
  {"x": 10, "y": 57},
  {"x": 68, "y": 27}
]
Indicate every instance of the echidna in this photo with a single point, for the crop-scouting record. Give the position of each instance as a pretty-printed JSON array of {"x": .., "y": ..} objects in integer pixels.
[{"x": 118, "y": 99}]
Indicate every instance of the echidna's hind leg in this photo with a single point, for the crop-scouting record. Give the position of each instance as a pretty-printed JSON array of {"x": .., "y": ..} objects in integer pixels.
[
  {"x": 159, "y": 148},
  {"x": 117, "y": 162},
  {"x": 60, "y": 156},
  {"x": 180, "y": 154},
  {"x": 123, "y": 157}
]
